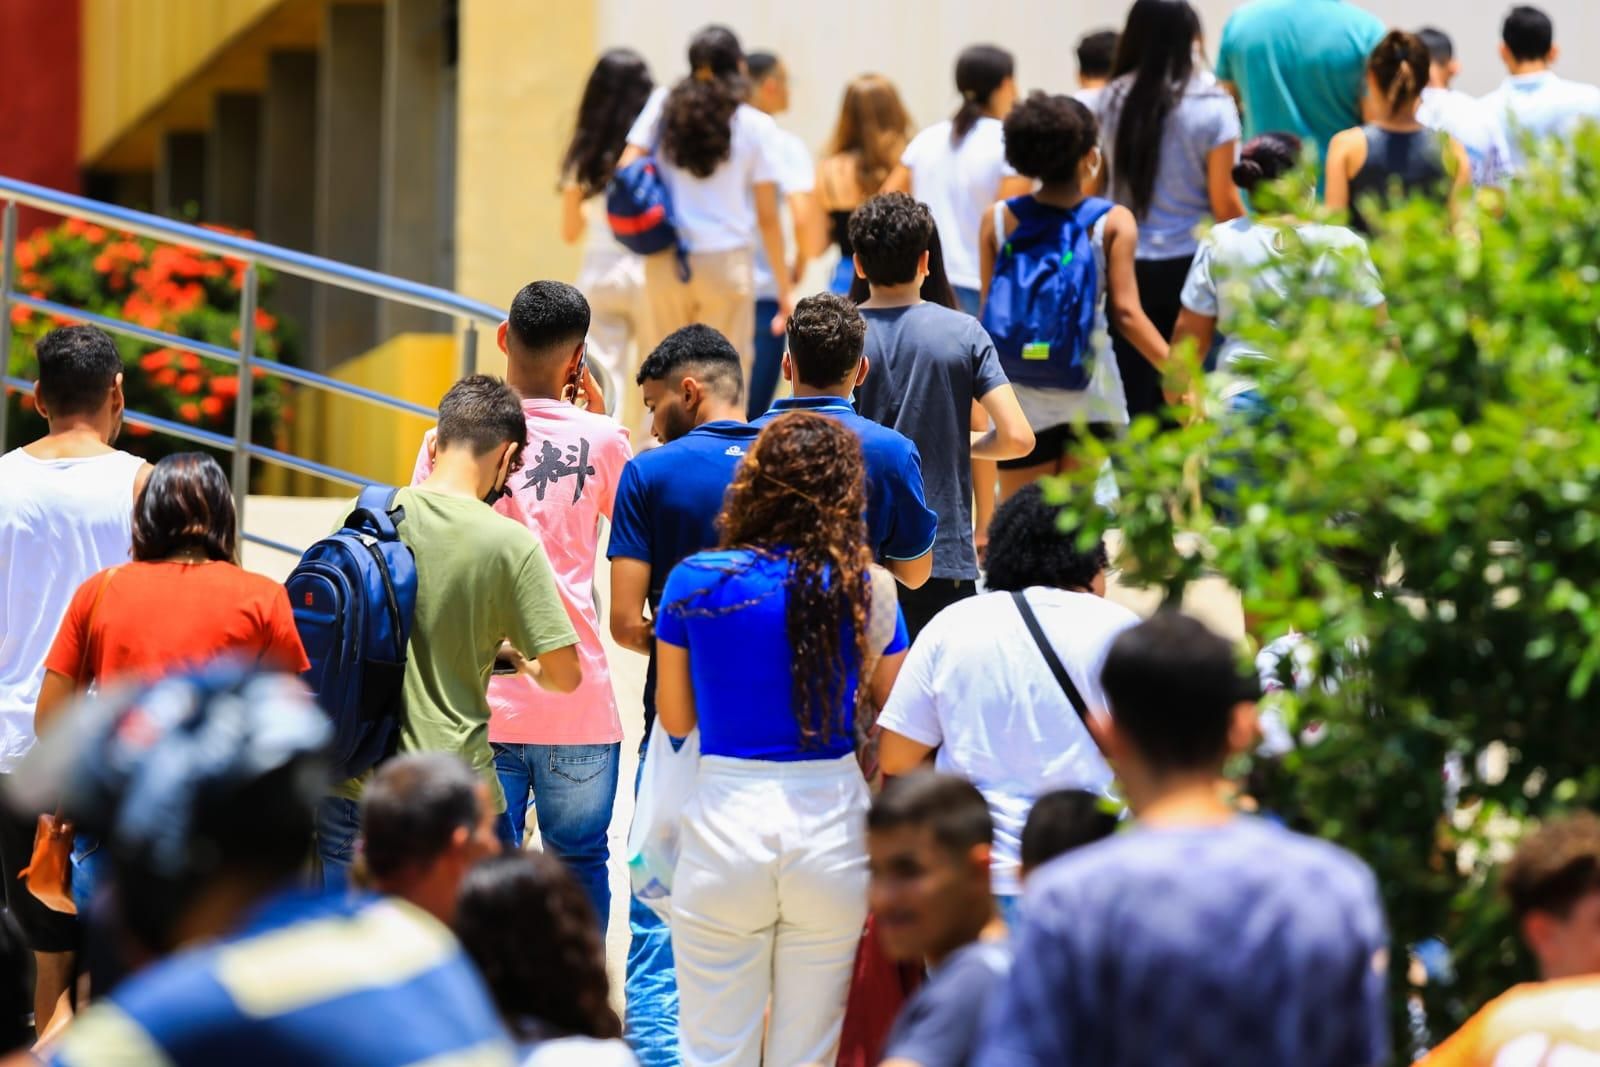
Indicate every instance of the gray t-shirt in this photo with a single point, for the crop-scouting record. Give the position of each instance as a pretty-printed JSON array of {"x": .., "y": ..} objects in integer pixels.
[
  {"x": 928, "y": 364},
  {"x": 938, "y": 1027},
  {"x": 1204, "y": 118}
]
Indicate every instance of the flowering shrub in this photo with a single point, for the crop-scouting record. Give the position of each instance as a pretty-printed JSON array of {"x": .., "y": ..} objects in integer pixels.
[{"x": 161, "y": 287}]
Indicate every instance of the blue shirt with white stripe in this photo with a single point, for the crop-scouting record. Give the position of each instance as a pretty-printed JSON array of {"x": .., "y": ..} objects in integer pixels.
[{"x": 309, "y": 980}]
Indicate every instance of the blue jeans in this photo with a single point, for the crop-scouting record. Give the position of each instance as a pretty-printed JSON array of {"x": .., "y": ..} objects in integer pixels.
[
  {"x": 573, "y": 789},
  {"x": 969, "y": 300},
  {"x": 844, "y": 275},
  {"x": 338, "y": 827},
  {"x": 768, "y": 367},
  {"x": 650, "y": 986}
]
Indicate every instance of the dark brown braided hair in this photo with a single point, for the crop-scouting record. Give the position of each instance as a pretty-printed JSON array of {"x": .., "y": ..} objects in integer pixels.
[{"x": 800, "y": 494}]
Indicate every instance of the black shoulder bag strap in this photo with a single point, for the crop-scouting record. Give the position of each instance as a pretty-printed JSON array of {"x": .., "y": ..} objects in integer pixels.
[{"x": 1063, "y": 679}]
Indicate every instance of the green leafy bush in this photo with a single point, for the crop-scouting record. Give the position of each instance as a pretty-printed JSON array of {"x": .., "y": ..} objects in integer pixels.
[
  {"x": 162, "y": 287},
  {"x": 1452, "y": 447}
]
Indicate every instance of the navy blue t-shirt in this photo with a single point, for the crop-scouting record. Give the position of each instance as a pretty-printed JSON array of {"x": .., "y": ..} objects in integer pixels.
[
  {"x": 728, "y": 608},
  {"x": 667, "y": 504},
  {"x": 900, "y": 525}
]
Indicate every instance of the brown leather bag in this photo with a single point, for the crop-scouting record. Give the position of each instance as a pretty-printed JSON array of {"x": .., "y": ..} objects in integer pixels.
[{"x": 49, "y": 873}]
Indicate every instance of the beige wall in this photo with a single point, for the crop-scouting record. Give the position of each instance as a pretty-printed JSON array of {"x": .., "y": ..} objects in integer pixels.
[
  {"x": 827, "y": 41},
  {"x": 521, "y": 60}
]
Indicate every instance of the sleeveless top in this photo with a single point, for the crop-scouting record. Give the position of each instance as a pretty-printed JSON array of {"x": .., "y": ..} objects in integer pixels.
[
  {"x": 1103, "y": 400},
  {"x": 1414, "y": 161},
  {"x": 61, "y": 521}
]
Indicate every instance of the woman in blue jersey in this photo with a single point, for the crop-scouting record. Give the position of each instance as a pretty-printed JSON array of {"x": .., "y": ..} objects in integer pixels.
[{"x": 768, "y": 644}]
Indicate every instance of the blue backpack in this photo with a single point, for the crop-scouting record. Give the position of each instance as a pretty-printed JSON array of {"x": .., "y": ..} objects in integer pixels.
[
  {"x": 639, "y": 210},
  {"x": 353, "y": 596},
  {"x": 1044, "y": 296}
]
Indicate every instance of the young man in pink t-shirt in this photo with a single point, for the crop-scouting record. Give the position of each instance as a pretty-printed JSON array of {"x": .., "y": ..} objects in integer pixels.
[{"x": 560, "y": 751}]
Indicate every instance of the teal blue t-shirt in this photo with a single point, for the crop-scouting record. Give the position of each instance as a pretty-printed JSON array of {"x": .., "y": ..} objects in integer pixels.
[{"x": 1299, "y": 65}]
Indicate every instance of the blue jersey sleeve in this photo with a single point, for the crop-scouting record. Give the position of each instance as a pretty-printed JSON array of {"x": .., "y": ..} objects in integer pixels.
[
  {"x": 670, "y": 626},
  {"x": 902, "y": 637},
  {"x": 913, "y": 525},
  {"x": 630, "y": 518}
]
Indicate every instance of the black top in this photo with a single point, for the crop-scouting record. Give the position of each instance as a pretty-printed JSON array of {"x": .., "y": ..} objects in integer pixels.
[{"x": 1413, "y": 162}]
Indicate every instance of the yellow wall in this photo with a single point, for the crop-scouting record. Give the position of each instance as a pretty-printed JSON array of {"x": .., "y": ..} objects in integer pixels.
[
  {"x": 366, "y": 439},
  {"x": 137, "y": 52},
  {"x": 523, "y": 65}
]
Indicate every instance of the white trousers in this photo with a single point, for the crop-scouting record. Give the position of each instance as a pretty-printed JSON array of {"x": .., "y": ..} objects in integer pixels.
[{"x": 768, "y": 900}]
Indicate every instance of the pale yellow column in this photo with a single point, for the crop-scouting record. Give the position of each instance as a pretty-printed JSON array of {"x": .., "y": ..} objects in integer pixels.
[{"x": 523, "y": 65}]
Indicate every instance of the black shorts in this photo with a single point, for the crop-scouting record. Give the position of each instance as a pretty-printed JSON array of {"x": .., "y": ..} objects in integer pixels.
[
  {"x": 1052, "y": 444},
  {"x": 46, "y": 930}
]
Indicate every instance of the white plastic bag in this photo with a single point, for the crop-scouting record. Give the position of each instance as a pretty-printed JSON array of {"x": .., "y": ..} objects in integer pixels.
[{"x": 665, "y": 786}]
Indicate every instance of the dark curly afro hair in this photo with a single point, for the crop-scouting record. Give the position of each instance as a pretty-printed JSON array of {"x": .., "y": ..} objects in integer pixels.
[
  {"x": 1047, "y": 136},
  {"x": 889, "y": 234},
  {"x": 1028, "y": 547}
]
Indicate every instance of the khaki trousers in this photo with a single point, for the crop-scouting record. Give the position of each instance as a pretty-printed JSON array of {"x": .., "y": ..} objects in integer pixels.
[{"x": 720, "y": 293}]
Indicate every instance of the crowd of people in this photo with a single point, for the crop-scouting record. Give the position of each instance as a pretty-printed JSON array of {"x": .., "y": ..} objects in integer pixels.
[{"x": 950, "y": 804}]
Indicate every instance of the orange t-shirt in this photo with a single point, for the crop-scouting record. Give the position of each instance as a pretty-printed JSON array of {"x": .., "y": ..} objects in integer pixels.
[{"x": 154, "y": 618}]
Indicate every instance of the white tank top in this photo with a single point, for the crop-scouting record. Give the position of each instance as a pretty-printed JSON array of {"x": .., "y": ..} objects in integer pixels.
[{"x": 61, "y": 521}]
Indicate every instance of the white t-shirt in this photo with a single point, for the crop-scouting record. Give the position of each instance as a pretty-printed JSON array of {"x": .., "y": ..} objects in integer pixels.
[
  {"x": 1541, "y": 104},
  {"x": 716, "y": 213},
  {"x": 958, "y": 183},
  {"x": 797, "y": 174},
  {"x": 1240, "y": 264},
  {"x": 975, "y": 684},
  {"x": 61, "y": 521},
  {"x": 1467, "y": 120}
]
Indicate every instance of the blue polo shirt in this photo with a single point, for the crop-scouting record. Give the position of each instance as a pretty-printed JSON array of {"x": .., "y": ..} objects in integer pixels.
[
  {"x": 667, "y": 504},
  {"x": 900, "y": 525}
]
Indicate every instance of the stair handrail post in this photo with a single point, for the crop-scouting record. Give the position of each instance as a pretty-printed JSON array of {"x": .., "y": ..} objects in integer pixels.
[{"x": 242, "y": 403}]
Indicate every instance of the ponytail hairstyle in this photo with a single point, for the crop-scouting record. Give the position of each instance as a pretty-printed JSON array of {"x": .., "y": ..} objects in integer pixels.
[
  {"x": 1155, "y": 59},
  {"x": 617, "y": 90},
  {"x": 1400, "y": 65},
  {"x": 1264, "y": 159},
  {"x": 980, "y": 70},
  {"x": 697, "y": 118}
]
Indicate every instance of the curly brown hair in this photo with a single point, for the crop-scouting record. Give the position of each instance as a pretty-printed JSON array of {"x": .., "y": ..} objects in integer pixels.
[
  {"x": 1554, "y": 866},
  {"x": 532, "y": 933},
  {"x": 800, "y": 495},
  {"x": 697, "y": 117}
]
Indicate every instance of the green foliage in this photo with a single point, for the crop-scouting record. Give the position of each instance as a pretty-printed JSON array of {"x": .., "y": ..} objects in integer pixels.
[
  {"x": 162, "y": 287},
  {"x": 1450, "y": 446}
]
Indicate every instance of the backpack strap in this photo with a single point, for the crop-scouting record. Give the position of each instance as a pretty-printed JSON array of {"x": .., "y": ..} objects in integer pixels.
[
  {"x": 1063, "y": 679},
  {"x": 377, "y": 502},
  {"x": 999, "y": 225}
]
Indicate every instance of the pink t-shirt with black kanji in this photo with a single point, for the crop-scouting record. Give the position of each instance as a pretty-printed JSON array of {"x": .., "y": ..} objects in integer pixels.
[{"x": 567, "y": 482}]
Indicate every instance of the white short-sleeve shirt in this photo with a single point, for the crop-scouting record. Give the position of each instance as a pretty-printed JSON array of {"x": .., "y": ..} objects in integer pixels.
[
  {"x": 716, "y": 213},
  {"x": 1541, "y": 105},
  {"x": 975, "y": 684},
  {"x": 958, "y": 182},
  {"x": 797, "y": 175}
]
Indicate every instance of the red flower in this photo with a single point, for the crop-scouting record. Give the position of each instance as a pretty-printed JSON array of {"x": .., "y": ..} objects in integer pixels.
[
  {"x": 161, "y": 357},
  {"x": 27, "y": 402},
  {"x": 213, "y": 406},
  {"x": 75, "y": 227},
  {"x": 104, "y": 263},
  {"x": 266, "y": 321},
  {"x": 20, "y": 315},
  {"x": 167, "y": 377},
  {"x": 26, "y": 256},
  {"x": 136, "y": 430},
  {"x": 189, "y": 384},
  {"x": 94, "y": 234},
  {"x": 225, "y": 386},
  {"x": 188, "y": 361},
  {"x": 189, "y": 412}
]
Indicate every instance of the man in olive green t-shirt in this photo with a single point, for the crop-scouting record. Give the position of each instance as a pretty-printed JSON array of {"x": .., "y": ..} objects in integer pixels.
[{"x": 482, "y": 580}]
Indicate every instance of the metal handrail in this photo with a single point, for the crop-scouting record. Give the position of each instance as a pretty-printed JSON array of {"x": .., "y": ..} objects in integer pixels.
[{"x": 253, "y": 254}]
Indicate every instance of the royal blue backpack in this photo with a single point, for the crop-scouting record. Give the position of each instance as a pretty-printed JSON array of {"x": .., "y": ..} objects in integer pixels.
[
  {"x": 1043, "y": 299},
  {"x": 354, "y": 595},
  {"x": 639, "y": 209}
]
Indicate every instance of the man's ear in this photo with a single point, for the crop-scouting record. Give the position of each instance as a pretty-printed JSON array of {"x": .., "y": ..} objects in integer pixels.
[
  {"x": 922, "y": 263},
  {"x": 1505, "y": 54},
  {"x": 1453, "y": 67},
  {"x": 860, "y": 272},
  {"x": 1103, "y": 728},
  {"x": 979, "y": 857},
  {"x": 500, "y": 336},
  {"x": 431, "y": 441},
  {"x": 1244, "y": 729},
  {"x": 1555, "y": 54},
  {"x": 38, "y": 400},
  {"x": 788, "y": 366},
  {"x": 861, "y": 369}
]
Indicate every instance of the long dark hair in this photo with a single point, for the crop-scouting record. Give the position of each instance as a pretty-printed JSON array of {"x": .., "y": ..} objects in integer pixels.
[
  {"x": 936, "y": 287},
  {"x": 697, "y": 118},
  {"x": 532, "y": 932},
  {"x": 980, "y": 70},
  {"x": 617, "y": 90},
  {"x": 1401, "y": 64},
  {"x": 1266, "y": 158},
  {"x": 799, "y": 496},
  {"x": 1157, "y": 49},
  {"x": 187, "y": 503}
]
